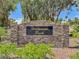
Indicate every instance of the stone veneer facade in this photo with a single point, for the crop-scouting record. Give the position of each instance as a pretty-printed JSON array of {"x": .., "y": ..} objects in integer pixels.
[{"x": 59, "y": 38}]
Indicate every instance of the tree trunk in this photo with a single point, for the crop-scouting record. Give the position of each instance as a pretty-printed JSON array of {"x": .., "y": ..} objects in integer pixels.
[{"x": 58, "y": 15}]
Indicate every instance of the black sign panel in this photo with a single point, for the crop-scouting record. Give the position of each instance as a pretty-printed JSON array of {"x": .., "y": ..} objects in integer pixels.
[{"x": 39, "y": 30}]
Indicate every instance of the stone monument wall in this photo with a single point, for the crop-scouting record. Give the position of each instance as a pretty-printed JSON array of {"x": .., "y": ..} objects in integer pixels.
[{"x": 59, "y": 37}]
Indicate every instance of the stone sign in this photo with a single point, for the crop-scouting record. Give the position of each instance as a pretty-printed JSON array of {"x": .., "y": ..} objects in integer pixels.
[{"x": 40, "y": 31}]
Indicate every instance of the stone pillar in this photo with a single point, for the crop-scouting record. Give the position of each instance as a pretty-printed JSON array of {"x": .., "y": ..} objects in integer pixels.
[
  {"x": 13, "y": 34},
  {"x": 65, "y": 36}
]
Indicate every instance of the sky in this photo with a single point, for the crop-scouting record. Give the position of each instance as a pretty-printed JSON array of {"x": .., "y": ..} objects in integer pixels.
[
  {"x": 17, "y": 13},
  {"x": 71, "y": 14}
]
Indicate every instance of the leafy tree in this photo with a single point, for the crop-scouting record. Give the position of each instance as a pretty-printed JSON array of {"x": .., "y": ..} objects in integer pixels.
[
  {"x": 5, "y": 7},
  {"x": 44, "y": 9}
]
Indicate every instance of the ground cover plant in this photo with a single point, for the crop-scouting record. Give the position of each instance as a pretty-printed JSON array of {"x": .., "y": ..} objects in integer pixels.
[
  {"x": 6, "y": 50},
  {"x": 29, "y": 51},
  {"x": 32, "y": 51}
]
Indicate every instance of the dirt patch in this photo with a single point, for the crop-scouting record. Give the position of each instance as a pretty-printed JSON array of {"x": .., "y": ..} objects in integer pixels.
[{"x": 64, "y": 53}]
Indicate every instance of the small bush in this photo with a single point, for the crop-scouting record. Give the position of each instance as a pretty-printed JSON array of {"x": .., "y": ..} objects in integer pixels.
[
  {"x": 2, "y": 31},
  {"x": 6, "y": 50},
  {"x": 32, "y": 51},
  {"x": 29, "y": 51},
  {"x": 75, "y": 34}
]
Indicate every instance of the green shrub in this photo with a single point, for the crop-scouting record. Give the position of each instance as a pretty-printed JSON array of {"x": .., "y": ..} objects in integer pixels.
[
  {"x": 29, "y": 51},
  {"x": 2, "y": 31},
  {"x": 32, "y": 51},
  {"x": 6, "y": 50},
  {"x": 75, "y": 34}
]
